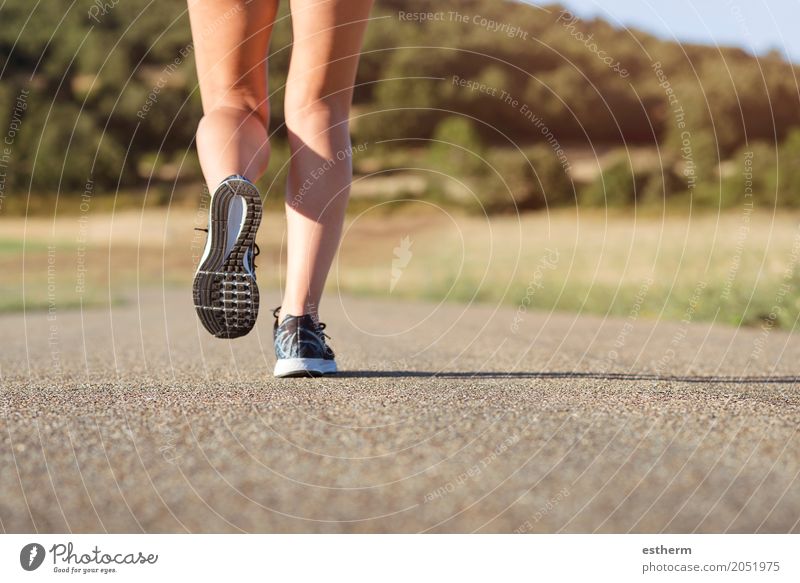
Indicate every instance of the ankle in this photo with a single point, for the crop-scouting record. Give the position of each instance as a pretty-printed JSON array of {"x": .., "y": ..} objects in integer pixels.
[{"x": 298, "y": 309}]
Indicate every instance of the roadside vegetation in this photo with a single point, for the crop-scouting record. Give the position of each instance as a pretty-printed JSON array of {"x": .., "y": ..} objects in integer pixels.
[
  {"x": 484, "y": 134},
  {"x": 733, "y": 268},
  {"x": 491, "y": 106}
]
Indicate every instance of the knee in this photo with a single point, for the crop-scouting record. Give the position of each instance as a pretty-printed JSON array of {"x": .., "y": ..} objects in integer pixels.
[
  {"x": 240, "y": 103},
  {"x": 316, "y": 116}
]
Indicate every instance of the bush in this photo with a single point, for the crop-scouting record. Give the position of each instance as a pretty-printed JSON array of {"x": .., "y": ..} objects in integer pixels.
[
  {"x": 616, "y": 186},
  {"x": 66, "y": 150},
  {"x": 506, "y": 184},
  {"x": 789, "y": 157},
  {"x": 764, "y": 170},
  {"x": 550, "y": 183},
  {"x": 457, "y": 148},
  {"x": 522, "y": 180},
  {"x": 660, "y": 184}
]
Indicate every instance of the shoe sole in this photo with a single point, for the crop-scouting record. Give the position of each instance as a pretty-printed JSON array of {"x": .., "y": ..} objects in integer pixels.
[
  {"x": 224, "y": 289},
  {"x": 304, "y": 367}
]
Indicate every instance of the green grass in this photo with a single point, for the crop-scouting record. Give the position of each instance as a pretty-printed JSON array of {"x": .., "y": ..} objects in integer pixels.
[
  {"x": 674, "y": 268},
  {"x": 17, "y": 246},
  {"x": 603, "y": 266}
]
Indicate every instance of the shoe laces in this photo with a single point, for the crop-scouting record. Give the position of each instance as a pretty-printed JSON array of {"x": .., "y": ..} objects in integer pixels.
[
  {"x": 320, "y": 325},
  {"x": 320, "y": 328}
]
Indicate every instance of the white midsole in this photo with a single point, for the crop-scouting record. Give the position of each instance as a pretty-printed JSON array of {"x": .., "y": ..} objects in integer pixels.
[
  {"x": 287, "y": 366},
  {"x": 241, "y": 206},
  {"x": 237, "y": 213}
]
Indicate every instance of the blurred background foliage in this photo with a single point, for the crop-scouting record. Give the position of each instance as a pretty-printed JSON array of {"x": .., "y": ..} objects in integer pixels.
[{"x": 109, "y": 93}]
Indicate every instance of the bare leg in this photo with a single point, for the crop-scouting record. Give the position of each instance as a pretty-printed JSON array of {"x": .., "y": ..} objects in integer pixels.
[
  {"x": 231, "y": 38},
  {"x": 319, "y": 92}
]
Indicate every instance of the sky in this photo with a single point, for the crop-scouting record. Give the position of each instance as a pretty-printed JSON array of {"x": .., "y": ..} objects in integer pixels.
[{"x": 756, "y": 25}]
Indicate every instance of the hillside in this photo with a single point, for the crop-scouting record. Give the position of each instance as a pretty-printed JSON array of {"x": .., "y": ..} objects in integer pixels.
[{"x": 110, "y": 100}]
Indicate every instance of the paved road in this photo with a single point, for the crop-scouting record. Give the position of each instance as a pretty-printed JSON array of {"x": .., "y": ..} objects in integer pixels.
[{"x": 451, "y": 419}]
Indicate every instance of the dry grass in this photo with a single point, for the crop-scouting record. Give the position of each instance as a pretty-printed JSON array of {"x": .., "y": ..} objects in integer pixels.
[{"x": 733, "y": 268}]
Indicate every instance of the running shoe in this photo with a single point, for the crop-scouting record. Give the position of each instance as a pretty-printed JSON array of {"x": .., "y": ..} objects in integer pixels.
[
  {"x": 225, "y": 291},
  {"x": 300, "y": 347}
]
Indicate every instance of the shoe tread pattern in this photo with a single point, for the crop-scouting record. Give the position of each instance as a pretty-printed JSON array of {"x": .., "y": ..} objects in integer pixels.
[{"x": 225, "y": 294}]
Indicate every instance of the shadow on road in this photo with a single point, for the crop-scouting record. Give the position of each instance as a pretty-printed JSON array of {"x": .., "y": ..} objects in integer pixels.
[{"x": 569, "y": 375}]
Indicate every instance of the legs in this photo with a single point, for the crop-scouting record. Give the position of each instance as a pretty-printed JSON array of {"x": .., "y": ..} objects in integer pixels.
[
  {"x": 231, "y": 38},
  {"x": 319, "y": 90}
]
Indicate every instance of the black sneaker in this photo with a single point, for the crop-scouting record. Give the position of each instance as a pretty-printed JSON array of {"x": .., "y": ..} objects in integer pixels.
[
  {"x": 225, "y": 290},
  {"x": 300, "y": 347}
]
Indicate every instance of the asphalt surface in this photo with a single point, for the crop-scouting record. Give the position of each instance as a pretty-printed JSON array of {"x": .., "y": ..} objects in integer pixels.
[{"x": 449, "y": 419}]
